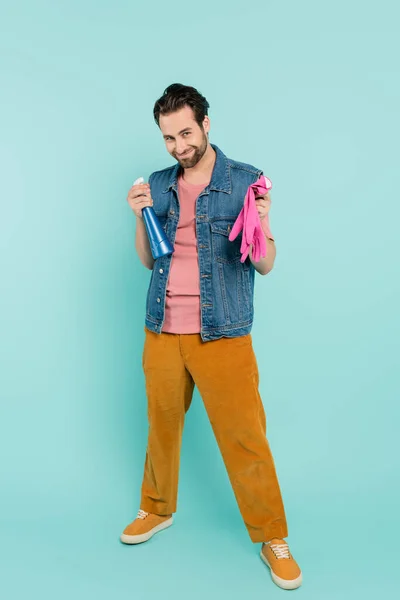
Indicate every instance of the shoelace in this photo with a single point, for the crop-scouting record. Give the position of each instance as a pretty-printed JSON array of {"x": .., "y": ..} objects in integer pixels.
[
  {"x": 142, "y": 514},
  {"x": 280, "y": 550}
]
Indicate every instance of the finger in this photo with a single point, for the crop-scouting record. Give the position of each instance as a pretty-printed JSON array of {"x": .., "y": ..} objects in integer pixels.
[
  {"x": 148, "y": 202},
  {"x": 139, "y": 207},
  {"x": 263, "y": 197},
  {"x": 140, "y": 201},
  {"x": 140, "y": 193},
  {"x": 139, "y": 188},
  {"x": 142, "y": 204},
  {"x": 262, "y": 203}
]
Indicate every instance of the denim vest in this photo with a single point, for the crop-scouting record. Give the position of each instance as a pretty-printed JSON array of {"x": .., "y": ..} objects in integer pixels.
[{"x": 226, "y": 284}]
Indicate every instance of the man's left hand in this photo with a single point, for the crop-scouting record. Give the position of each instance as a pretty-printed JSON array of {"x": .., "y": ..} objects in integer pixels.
[{"x": 263, "y": 205}]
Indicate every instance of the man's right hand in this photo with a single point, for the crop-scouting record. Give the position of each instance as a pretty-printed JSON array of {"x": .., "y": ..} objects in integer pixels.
[{"x": 139, "y": 197}]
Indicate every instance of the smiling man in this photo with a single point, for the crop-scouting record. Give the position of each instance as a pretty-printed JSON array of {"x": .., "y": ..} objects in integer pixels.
[{"x": 199, "y": 315}]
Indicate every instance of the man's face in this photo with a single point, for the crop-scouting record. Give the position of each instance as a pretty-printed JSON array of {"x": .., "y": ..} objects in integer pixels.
[{"x": 185, "y": 140}]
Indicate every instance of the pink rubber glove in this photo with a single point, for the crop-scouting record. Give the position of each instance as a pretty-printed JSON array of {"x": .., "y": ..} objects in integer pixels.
[{"x": 249, "y": 221}]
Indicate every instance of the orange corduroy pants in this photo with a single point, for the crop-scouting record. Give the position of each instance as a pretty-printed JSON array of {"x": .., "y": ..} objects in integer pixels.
[{"x": 225, "y": 372}]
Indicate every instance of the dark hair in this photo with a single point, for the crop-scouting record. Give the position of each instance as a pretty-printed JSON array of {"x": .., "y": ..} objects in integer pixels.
[{"x": 175, "y": 97}]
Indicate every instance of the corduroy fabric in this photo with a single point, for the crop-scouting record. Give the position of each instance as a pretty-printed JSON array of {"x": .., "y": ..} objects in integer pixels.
[{"x": 226, "y": 374}]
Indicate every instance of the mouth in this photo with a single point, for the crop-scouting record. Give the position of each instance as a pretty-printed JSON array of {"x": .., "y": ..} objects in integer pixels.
[{"x": 186, "y": 154}]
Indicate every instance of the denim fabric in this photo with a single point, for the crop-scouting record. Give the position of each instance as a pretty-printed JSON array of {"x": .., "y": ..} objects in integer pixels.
[{"x": 226, "y": 284}]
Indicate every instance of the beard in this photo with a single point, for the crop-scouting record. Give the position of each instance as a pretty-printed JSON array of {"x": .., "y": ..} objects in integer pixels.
[{"x": 195, "y": 156}]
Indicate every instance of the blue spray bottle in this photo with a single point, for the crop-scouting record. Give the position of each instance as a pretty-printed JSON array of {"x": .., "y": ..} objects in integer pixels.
[{"x": 159, "y": 242}]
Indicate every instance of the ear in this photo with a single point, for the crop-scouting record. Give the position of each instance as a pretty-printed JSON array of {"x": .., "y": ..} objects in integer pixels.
[{"x": 206, "y": 124}]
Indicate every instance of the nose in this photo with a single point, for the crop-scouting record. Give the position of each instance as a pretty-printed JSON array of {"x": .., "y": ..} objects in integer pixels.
[{"x": 181, "y": 149}]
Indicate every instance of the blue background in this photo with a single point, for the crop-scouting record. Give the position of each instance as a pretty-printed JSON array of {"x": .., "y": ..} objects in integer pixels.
[{"x": 309, "y": 92}]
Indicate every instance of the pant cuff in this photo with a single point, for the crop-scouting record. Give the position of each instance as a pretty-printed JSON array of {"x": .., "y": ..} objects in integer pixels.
[
  {"x": 157, "y": 508},
  {"x": 264, "y": 535}
]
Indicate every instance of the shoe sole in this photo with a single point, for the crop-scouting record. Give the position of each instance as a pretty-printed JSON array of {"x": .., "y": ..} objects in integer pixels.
[
  {"x": 283, "y": 583},
  {"x": 139, "y": 539}
]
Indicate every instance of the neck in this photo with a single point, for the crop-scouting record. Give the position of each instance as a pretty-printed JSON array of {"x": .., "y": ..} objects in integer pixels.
[{"x": 203, "y": 170}]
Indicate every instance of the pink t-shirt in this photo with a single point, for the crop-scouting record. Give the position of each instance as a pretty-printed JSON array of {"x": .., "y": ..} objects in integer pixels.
[{"x": 182, "y": 303}]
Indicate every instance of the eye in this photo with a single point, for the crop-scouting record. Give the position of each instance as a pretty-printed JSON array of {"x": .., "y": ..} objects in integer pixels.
[{"x": 187, "y": 133}]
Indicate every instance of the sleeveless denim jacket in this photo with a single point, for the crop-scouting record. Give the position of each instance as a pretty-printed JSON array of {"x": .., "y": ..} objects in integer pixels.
[{"x": 226, "y": 284}]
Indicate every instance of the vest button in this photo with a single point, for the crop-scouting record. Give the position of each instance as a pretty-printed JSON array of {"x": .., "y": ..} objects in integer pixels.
[
  {"x": 161, "y": 271},
  {"x": 171, "y": 212},
  {"x": 158, "y": 299}
]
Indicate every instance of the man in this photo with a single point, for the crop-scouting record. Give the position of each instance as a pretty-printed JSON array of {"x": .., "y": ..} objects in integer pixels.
[{"x": 199, "y": 314}]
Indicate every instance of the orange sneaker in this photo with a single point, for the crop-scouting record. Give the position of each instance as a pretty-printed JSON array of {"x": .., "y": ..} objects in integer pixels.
[
  {"x": 144, "y": 527},
  {"x": 285, "y": 571}
]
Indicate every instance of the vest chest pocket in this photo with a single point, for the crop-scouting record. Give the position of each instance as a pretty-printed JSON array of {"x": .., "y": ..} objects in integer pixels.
[{"x": 224, "y": 250}]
